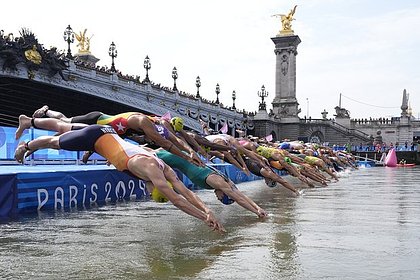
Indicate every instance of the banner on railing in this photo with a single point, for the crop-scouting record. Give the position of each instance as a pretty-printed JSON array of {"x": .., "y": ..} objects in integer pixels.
[
  {"x": 8, "y": 145},
  {"x": 78, "y": 189}
]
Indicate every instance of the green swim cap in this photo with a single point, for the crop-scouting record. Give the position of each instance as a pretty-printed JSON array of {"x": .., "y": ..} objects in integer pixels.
[
  {"x": 177, "y": 123},
  {"x": 287, "y": 159}
]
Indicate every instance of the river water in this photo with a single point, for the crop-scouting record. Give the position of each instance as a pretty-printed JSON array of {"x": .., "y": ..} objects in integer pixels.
[{"x": 366, "y": 226}]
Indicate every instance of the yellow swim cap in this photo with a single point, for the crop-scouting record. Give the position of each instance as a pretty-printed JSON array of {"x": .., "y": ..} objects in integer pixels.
[
  {"x": 260, "y": 150},
  {"x": 177, "y": 123},
  {"x": 157, "y": 196}
]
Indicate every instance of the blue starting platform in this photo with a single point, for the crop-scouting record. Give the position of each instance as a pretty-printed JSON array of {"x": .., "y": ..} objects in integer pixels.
[
  {"x": 35, "y": 187},
  {"x": 26, "y": 188}
]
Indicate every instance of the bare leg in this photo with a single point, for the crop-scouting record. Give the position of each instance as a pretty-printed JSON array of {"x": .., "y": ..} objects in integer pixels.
[
  {"x": 42, "y": 123},
  {"x": 53, "y": 125},
  {"x": 43, "y": 142},
  {"x": 57, "y": 115},
  {"x": 20, "y": 152},
  {"x": 24, "y": 123},
  {"x": 44, "y": 111},
  {"x": 41, "y": 112}
]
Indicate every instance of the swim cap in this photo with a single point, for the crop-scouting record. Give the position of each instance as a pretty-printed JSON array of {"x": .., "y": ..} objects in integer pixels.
[
  {"x": 225, "y": 199},
  {"x": 270, "y": 182},
  {"x": 157, "y": 196},
  {"x": 287, "y": 159},
  {"x": 284, "y": 145},
  {"x": 177, "y": 123}
]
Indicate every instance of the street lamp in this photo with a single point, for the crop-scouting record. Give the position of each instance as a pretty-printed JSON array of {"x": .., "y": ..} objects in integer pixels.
[
  {"x": 233, "y": 98},
  {"x": 217, "y": 93},
  {"x": 174, "y": 76},
  {"x": 147, "y": 66},
  {"x": 198, "y": 85},
  {"x": 307, "y": 107},
  {"x": 69, "y": 38},
  {"x": 113, "y": 54},
  {"x": 263, "y": 93}
]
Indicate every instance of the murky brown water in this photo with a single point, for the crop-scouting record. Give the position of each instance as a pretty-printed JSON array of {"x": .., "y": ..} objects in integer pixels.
[{"x": 367, "y": 226}]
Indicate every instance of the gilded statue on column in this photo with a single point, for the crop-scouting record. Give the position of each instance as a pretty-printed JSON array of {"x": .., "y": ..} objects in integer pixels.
[
  {"x": 286, "y": 22},
  {"x": 84, "y": 41}
]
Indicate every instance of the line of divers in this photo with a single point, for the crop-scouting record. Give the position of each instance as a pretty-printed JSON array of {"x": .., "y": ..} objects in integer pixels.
[{"x": 170, "y": 146}]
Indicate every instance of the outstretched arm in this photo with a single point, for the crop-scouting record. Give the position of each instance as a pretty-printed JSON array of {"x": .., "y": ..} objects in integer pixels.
[
  {"x": 192, "y": 198},
  {"x": 182, "y": 145},
  {"x": 43, "y": 142},
  {"x": 214, "y": 146},
  {"x": 218, "y": 182},
  {"x": 154, "y": 174},
  {"x": 149, "y": 129},
  {"x": 193, "y": 143}
]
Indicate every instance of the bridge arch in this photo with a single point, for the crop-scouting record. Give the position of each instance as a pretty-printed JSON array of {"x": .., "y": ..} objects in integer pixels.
[
  {"x": 274, "y": 134},
  {"x": 316, "y": 137}
]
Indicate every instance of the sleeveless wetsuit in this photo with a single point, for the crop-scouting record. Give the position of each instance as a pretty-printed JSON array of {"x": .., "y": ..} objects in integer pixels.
[
  {"x": 265, "y": 151},
  {"x": 197, "y": 175},
  {"x": 89, "y": 118},
  {"x": 104, "y": 141},
  {"x": 311, "y": 160},
  {"x": 276, "y": 164},
  {"x": 253, "y": 166},
  {"x": 118, "y": 122}
]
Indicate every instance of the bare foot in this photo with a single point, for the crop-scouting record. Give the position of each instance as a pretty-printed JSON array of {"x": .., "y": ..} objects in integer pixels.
[
  {"x": 20, "y": 152},
  {"x": 86, "y": 156},
  {"x": 24, "y": 123},
  {"x": 29, "y": 152},
  {"x": 41, "y": 112}
]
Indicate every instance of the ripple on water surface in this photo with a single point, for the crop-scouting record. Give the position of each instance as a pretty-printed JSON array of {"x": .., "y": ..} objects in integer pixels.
[{"x": 363, "y": 227}]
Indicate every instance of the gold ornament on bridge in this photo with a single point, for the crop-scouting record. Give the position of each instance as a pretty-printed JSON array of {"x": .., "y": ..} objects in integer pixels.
[
  {"x": 84, "y": 42},
  {"x": 33, "y": 55},
  {"x": 286, "y": 22}
]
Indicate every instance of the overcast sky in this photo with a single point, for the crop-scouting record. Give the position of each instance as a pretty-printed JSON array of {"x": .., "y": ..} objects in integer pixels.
[{"x": 366, "y": 50}]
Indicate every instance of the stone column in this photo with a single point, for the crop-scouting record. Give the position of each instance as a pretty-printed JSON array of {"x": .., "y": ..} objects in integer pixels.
[{"x": 285, "y": 104}]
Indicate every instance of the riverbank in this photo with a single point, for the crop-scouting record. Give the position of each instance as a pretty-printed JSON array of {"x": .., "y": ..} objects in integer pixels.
[{"x": 408, "y": 156}]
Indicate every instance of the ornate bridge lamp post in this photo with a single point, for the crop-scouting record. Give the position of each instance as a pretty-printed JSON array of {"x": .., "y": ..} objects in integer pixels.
[
  {"x": 69, "y": 38},
  {"x": 147, "y": 66},
  {"x": 233, "y": 98},
  {"x": 113, "y": 54},
  {"x": 217, "y": 93},
  {"x": 198, "y": 85},
  {"x": 263, "y": 93},
  {"x": 174, "y": 76}
]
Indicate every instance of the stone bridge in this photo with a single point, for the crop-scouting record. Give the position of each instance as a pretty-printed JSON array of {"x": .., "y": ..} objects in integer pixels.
[{"x": 311, "y": 130}]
